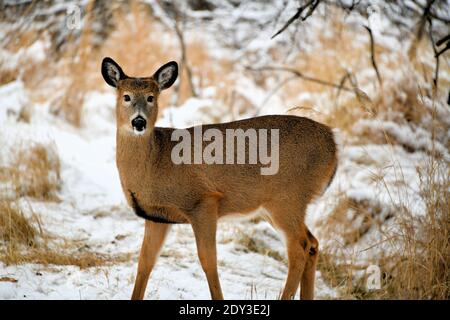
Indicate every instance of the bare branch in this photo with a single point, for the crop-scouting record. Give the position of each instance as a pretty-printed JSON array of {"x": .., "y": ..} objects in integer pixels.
[
  {"x": 360, "y": 95},
  {"x": 183, "y": 60},
  {"x": 310, "y": 5},
  {"x": 440, "y": 42},
  {"x": 372, "y": 55},
  {"x": 341, "y": 84},
  {"x": 436, "y": 69},
  {"x": 431, "y": 14},
  {"x": 424, "y": 18},
  {"x": 302, "y": 76},
  {"x": 274, "y": 91}
]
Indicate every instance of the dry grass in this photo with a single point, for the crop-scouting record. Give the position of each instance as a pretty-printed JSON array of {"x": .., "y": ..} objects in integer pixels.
[
  {"x": 422, "y": 265},
  {"x": 15, "y": 228},
  {"x": 7, "y": 75},
  {"x": 353, "y": 218},
  {"x": 415, "y": 259},
  {"x": 34, "y": 172},
  {"x": 345, "y": 276},
  {"x": 47, "y": 256},
  {"x": 251, "y": 244},
  {"x": 23, "y": 240}
]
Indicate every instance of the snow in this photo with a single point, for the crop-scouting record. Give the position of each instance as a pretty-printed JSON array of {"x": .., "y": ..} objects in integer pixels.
[{"x": 11, "y": 100}]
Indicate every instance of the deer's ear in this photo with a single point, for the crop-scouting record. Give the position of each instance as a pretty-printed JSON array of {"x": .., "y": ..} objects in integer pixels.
[
  {"x": 112, "y": 72},
  {"x": 166, "y": 75}
]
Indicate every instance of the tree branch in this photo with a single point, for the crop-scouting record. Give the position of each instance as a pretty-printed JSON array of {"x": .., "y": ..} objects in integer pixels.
[
  {"x": 183, "y": 61},
  {"x": 372, "y": 55},
  {"x": 360, "y": 95},
  {"x": 424, "y": 18},
  {"x": 440, "y": 42},
  {"x": 310, "y": 5},
  {"x": 436, "y": 69},
  {"x": 300, "y": 75}
]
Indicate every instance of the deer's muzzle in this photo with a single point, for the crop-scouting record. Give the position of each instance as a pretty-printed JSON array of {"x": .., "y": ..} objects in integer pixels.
[{"x": 139, "y": 123}]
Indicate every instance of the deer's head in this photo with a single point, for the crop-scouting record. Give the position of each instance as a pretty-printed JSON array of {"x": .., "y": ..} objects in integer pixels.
[{"x": 137, "y": 98}]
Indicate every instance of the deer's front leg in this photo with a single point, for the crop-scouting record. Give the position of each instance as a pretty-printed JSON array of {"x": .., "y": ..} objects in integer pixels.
[
  {"x": 204, "y": 224},
  {"x": 154, "y": 236}
]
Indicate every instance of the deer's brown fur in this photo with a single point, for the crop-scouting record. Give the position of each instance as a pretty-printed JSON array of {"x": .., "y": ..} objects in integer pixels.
[{"x": 200, "y": 194}]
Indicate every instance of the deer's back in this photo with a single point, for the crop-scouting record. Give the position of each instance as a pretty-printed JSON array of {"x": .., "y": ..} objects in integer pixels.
[{"x": 307, "y": 161}]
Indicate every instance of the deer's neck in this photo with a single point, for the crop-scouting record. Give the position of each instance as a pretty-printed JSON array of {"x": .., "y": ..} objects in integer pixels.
[{"x": 135, "y": 154}]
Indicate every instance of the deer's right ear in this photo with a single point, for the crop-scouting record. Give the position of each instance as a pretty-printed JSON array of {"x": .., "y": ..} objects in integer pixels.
[{"x": 112, "y": 72}]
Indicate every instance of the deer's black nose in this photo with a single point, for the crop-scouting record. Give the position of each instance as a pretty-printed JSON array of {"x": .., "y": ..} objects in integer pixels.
[{"x": 139, "y": 123}]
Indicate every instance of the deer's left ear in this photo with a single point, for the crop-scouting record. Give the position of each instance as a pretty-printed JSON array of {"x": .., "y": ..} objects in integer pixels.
[
  {"x": 112, "y": 72},
  {"x": 166, "y": 75}
]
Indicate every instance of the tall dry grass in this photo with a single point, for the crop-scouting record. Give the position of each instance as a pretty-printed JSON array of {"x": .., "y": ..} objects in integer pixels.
[
  {"x": 33, "y": 172},
  {"x": 415, "y": 259},
  {"x": 23, "y": 239}
]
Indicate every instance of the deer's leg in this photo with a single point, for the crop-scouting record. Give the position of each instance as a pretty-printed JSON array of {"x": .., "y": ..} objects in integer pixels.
[
  {"x": 288, "y": 217},
  {"x": 204, "y": 225},
  {"x": 296, "y": 263},
  {"x": 154, "y": 236},
  {"x": 309, "y": 274}
]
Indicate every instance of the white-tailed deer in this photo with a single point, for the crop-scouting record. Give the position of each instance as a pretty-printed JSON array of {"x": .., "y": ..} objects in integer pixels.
[{"x": 164, "y": 192}]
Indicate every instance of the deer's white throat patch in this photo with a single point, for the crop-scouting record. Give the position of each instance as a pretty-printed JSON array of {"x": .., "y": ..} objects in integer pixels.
[{"x": 138, "y": 133}]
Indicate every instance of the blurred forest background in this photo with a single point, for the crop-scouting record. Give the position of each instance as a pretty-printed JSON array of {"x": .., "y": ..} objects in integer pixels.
[{"x": 376, "y": 71}]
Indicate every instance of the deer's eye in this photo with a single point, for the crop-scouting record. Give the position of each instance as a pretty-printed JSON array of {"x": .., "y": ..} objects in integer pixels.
[
  {"x": 126, "y": 98},
  {"x": 150, "y": 99}
]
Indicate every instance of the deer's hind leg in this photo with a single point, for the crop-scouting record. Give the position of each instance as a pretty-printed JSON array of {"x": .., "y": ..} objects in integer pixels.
[
  {"x": 289, "y": 220},
  {"x": 154, "y": 236},
  {"x": 309, "y": 274}
]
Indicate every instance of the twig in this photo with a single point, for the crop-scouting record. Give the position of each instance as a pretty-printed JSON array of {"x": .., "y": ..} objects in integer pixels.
[
  {"x": 341, "y": 84},
  {"x": 436, "y": 69},
  {"x": 432, "y": 14},
  {"x": 184, "y": 62},
  {"x": 440, "y": 42},
  {"x": 372, "y": 54},
  {"x": 312, "y": 5},
  {"x": 300, "y": 75},
  {"x": 360, "y": 95},
  {"x": 273, "y": 92},
  {"x": 424, "y": 18}
]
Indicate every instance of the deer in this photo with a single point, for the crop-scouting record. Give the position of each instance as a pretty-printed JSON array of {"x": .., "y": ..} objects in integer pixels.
[{"x": 165, "y": 193}]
